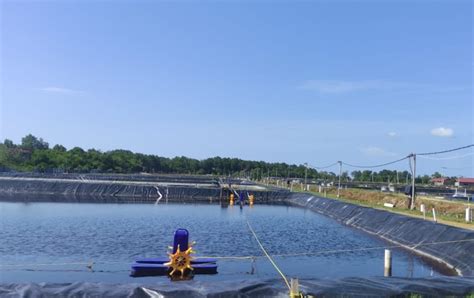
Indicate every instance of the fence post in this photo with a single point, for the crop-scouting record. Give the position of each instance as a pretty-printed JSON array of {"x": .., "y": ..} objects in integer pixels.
[{"x": 387, "y": 272}]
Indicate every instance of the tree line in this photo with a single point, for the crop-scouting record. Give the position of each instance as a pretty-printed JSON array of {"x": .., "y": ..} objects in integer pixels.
[
  {"x": 35, "y": 155},
  {"x": 399, "y": 177}
]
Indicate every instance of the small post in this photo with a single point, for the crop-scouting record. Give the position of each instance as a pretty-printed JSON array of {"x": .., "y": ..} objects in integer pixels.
[
  {"x": 468, "y": 214},
  {"x": 422, "y": 209},
  {"x": 294, "y": 288},
  {"x": 387, "y": 268},
  {"x": 340, "y": 173},
  {"x": 434, "y": 215},
  {"x": 320, "y": 189},
  {"x": 306, "y": 175}
]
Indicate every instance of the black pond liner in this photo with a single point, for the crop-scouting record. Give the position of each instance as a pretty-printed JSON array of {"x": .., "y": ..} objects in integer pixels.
[
  {"x": 352, "y": 286},
  {"x": 452, "y": 250},
  {"x": 449, "y": 245}
]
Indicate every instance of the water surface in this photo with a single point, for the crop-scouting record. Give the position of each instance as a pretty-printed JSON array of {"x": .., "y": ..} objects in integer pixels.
[{"x": 52, "y": 242}]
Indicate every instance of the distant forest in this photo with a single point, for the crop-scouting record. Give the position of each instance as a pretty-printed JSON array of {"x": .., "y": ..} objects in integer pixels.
[{"x": 35, "y": 155}]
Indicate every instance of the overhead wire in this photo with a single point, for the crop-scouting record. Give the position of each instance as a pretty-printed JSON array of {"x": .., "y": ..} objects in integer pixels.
[
  {"x": 446, "y": 151},
  {"x": 423, "y": 154},
  {"x": 460, "y": 168},
  {"x": 324, "y": 167},
  {"x": 446, "y": 158},
  {"x": 375, "y": 166}
]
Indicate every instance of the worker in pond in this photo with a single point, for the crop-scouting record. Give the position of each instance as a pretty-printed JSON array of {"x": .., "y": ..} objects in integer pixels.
[
  {"x": 251, "y": 199},
  {"x": 241, "y": 200}
]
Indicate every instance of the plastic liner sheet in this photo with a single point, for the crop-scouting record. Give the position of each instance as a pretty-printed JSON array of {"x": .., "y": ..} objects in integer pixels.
[
  {"x": 99, "y": 192},
  {"x": 131, "y": 190},
  {"x": 117, "y": 177},
  {"x": 454, "y": 246},
  {"x": 352, "y": 287}
]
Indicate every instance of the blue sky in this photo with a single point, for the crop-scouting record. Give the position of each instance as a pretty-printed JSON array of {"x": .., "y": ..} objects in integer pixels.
[{"x": 315, "y": 81}]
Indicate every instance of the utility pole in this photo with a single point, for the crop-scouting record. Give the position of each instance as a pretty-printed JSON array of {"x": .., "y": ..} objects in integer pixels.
[
  {"x": 306, "y": 176},
  {"x": 340, "y": 173},
  {"x": 412, "y": 202}
]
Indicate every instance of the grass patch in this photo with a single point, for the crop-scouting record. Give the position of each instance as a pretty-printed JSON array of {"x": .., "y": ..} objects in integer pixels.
[{"x": 447, "y": 212}]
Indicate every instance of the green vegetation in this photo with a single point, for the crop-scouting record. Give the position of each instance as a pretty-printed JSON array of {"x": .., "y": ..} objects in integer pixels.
[
  {"x": 35, "y": 154},
  {"x": 447, "y": 212},
  {"x": 394, "y": 176}
]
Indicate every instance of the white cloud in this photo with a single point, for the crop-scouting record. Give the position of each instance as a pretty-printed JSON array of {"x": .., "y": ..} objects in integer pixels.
[
  {"x": 60, "y": 90},
  {"x": 392, "y": 134},
  {"x": 376, "y": 151},
  {"x": 442, "y": 132},
  {"x": 341, "y": 86}
]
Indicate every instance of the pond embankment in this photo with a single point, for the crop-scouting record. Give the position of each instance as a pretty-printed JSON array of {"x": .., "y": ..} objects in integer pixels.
[
  {"x": 448, "y": 245},
  {"x": 127, "y": 188}
]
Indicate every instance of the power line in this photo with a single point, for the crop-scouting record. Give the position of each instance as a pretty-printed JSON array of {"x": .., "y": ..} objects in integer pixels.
[
  {"x": 461, "y": 168},
  {"x": 446, "y": 151},
  {"x": 325, "y": 167},
  {"x": 375, "y": 166},
  {"x": 401, "y": 159},
  {"x": 447, "y": 158}
]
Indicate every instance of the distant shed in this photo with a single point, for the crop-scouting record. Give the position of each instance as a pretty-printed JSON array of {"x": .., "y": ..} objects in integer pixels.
[
  {"x": 439, "y": 181},
  {"x": 465, "y": 182}
]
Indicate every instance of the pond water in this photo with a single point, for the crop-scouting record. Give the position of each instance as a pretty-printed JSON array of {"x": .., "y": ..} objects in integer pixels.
[{"x": 53, "y": 242}]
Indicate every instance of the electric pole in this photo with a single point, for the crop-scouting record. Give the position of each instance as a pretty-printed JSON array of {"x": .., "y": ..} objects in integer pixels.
[
  {"x": 340, "y": 173},
  {"x": 412, "y": 202},
  {"x": 306, "y": 176}
]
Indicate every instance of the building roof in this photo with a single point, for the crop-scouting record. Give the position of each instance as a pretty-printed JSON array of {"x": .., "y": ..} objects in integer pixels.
[
  {"x": 466, "y": 180},
  {"x": 441, "y": 180}
]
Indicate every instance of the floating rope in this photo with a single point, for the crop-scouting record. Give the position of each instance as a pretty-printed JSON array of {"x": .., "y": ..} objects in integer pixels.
[
  {"x": 412, "y": 246},
  {"x": 269, "y": 257}
]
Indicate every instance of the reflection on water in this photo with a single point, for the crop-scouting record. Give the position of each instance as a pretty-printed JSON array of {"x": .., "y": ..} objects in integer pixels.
[{"x": 42, "y": 241}]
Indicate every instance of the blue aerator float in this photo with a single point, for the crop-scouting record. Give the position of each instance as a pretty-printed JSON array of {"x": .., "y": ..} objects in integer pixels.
[{"x": 179, "y": 265}]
